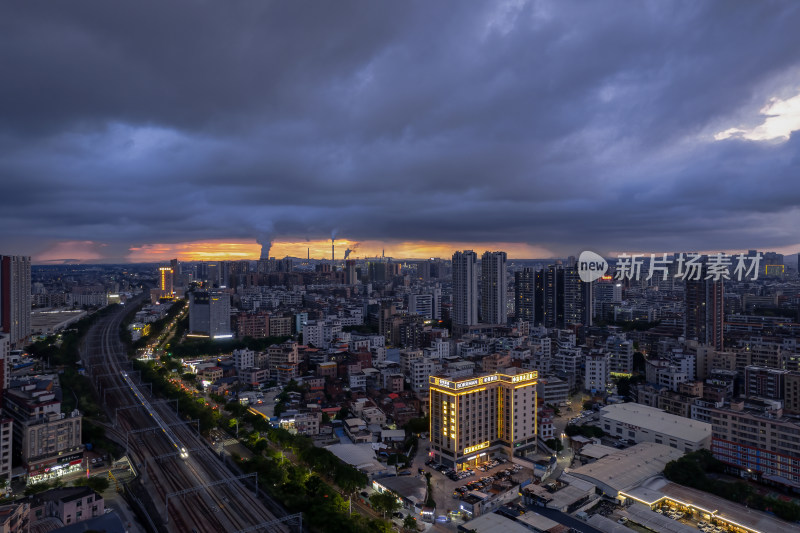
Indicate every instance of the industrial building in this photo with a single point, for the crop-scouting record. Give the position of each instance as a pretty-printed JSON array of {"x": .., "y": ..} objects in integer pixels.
[{"x": 640, "y": 423}]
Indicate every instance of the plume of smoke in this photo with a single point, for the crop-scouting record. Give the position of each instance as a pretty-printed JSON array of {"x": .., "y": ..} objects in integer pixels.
[
  {"x": 334, "y": 233},
  {"x": 266, "y": 244},
  {"x": 350, "y": 250},
  {"x": 265, "y": 238}
]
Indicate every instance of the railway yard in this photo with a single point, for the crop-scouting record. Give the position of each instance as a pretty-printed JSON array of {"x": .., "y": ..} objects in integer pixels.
[{"x": 182, "y": 484}]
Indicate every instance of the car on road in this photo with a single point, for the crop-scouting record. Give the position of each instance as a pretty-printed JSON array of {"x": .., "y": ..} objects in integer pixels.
[{"x": 398, "y": 515}]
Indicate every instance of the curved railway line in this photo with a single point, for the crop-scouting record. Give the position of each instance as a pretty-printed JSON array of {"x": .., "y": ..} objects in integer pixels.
[{"x": 172, "y": 457}]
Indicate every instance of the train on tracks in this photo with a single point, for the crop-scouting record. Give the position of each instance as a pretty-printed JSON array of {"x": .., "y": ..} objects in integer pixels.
[{"x": 182, "y": 452}]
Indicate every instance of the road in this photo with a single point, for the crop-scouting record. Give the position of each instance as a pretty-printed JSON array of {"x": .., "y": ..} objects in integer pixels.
[{"x": 228, "y": 506}]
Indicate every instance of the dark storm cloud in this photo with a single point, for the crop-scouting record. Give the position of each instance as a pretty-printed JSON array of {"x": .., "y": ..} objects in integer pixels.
[{"x": 561, "y": 124}]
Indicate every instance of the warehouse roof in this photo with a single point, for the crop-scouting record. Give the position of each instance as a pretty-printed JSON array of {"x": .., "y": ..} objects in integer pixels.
[
  {"x": 656, "y": 420},
  {"x": 625, "y": 469},
  {"x": 494, "y": 523}
]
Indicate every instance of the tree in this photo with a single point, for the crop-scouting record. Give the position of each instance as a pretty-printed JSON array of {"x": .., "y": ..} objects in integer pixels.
[
  {"x": 96, "y": 483},
  {"x": 410, "y": 523},
  {"x": 639, "y": 362},
  {"x": 36, "y": 488},
  {"x": 624, "y": 387},
  {"x": 554, "y": 444},
  {"x": 384, "y": 502},
  {"x": 418, "y": 425},
  {"x": 429, "y": 501}
]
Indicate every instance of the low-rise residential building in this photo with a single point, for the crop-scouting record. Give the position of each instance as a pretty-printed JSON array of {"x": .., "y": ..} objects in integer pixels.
[
  {"x": 356, "y": 429},
  {"x": 15, "y": 517},
  {"x": 676, "y": 403},
  {"x": 393, "y": 382},
  {"x": 49, "y": 441},
  {"x": 253, "y": 376},
  {"x": 69, "y": 505},
  {"x": 373, "y": 415},
  {"x": 210, "y": 374},
  {"x": 307, "y": 423},
  {"x": 6, "y": 443},
  {"x": 552, "y": 391}
]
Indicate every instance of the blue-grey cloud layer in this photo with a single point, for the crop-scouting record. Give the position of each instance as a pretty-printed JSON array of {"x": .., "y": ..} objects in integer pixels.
[{"x": 562, "y": 124}]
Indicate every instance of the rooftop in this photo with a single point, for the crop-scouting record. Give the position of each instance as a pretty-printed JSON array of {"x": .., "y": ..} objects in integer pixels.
[
  {"x": 627, "y": 468},
  {"x": 540, "y": 523},
  {"x": 494, "y": 523},
  {"x": 658, "y": 487},
  {"x": 656, "y": 420},
  {"x": 410, "y": 487},
  {"x": 597, "y": 451}
]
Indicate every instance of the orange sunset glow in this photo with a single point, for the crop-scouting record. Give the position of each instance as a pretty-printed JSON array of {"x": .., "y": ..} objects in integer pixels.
[{"x": 321, "y": 249}]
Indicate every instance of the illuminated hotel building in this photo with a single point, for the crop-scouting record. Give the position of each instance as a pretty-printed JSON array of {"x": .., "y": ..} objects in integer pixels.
[
  {"x": 473, "y": 418},
  {"x": 165, "y": 282}
]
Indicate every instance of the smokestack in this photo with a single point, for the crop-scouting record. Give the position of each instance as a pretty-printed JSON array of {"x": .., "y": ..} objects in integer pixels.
[
  {"x": 309, "y": 255},
  {"x": 333, "y": 252}
]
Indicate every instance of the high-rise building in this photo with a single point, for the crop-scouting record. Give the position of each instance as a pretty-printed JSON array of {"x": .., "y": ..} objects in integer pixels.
[
  {"x": 761, "y": 382},
  {"x": 350, "y": 272},
  {"x": 493, "y": 288},
  {"x": 210, "y": 313},
  {"x": 214, "y": 274},
  {"x": 424, "y": 271},
  {"x": 598, "y": 373},
  {"x": 166, "y": 282},
  {"x": 176, "y": 267},
  {"x": 529, "y": 295},
  {"x": 704, "y": 311},
  {"x": 378, "y": 272},
  {"x": 5, "y": 348},
  {"x": 576, "y": 297},
  {"x": 421, "y": 304},
  {"x": 472, "y": 418},
  {"x": 15, "y": 298},
  {"x": 465, "y": 288},
  {"x": 524, "y": 294},
  {"x": 554, "y": 297},
  {"x": 607, "y": 294}
]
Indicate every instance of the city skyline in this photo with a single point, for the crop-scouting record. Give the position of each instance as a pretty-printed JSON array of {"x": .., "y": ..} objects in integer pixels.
[{"x": 538, "y": 128}]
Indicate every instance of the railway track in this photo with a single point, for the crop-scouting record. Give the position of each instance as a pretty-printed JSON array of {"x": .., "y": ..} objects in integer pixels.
[{"x": 227, "y": 507}]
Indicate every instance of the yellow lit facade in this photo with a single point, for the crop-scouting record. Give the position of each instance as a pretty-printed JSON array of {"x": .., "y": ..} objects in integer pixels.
[
  {"x": 473, "y": 418},
  {"x": 165, "y": 282}
]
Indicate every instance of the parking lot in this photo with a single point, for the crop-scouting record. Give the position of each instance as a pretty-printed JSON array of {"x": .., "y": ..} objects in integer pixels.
[{"x": 444, "y": 487}]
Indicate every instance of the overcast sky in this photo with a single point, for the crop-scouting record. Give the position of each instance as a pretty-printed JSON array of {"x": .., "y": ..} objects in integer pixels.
[{"x": 560, "y": 126}]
